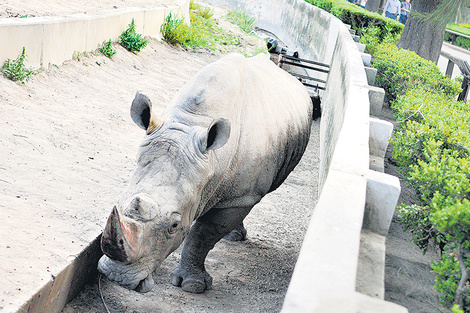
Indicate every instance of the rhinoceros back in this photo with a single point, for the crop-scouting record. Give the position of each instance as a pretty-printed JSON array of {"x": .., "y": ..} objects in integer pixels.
[{"x": 270, "y": 113}]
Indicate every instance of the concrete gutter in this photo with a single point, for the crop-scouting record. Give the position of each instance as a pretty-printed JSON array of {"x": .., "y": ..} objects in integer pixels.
[
  {"x": 53, "y": 40},
  {"x": 342, "y": 261}
]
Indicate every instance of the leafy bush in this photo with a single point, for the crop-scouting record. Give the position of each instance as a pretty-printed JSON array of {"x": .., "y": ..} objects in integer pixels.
[
  {"x": 107, "y": 49},
  {"x": 242, "y": 20},
  {"x": 131, "y": 40},
  {"x": 174, "y": 31},
  {"x": 462, "y": 42},
  {"x": 16, "y": 70},
  {"x": 358, "y": 17},
  {"x": 417, "y": 219},
  {"x": 448, "y": 274},
  {"x": 373, "y": 36},
  {"x": 425, "y": 116},
  {"x": 433, "y": 143},
  {"x": 459, "y": 28},
  {"x": 399, "y": 70}
]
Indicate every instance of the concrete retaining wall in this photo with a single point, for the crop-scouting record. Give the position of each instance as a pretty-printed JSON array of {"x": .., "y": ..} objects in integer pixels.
[
  {"x": 55, "y": 39},
  {"x": 341, "y": 264}
]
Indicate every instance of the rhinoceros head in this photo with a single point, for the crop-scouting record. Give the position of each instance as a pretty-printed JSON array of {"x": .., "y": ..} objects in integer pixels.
[{"x": 154, "y": 215}]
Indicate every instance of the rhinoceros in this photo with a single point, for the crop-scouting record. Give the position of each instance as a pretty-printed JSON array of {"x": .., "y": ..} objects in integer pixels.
[{"x": 230, "y": 136}]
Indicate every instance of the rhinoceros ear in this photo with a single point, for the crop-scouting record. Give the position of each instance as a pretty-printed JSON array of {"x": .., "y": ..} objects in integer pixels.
[
  {"x": 142, "y": 115},
  {"x": 216, "y": 135}
]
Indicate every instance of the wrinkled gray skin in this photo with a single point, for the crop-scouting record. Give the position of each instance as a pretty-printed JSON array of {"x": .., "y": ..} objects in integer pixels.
[{"x": 230, "y": 136}]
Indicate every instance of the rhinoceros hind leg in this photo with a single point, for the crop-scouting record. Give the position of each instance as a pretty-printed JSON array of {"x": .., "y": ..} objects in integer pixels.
[
  {"x": 238, "y": 234},
  {"x": 191, "y": 280}
]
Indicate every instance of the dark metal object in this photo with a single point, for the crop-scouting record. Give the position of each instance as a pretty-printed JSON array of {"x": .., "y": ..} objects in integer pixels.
[{"x": 308, "y": 81}]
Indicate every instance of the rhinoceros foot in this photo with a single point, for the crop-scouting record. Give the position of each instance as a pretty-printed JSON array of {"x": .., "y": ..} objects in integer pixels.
[
  {"x": 191, "y": 280},
  {"x": 238, "y": 234}
]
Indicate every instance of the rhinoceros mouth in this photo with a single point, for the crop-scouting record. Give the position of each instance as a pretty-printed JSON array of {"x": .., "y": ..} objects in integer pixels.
[{"x": 130, "y": 276}]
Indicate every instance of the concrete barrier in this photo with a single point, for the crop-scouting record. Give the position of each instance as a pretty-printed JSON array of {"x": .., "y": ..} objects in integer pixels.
[
  {"x": 335, "y": 271},
  {"x": 53, "y": 40}
]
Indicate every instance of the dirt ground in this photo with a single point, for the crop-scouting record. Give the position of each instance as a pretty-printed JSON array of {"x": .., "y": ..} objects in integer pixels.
[{"x": 250, "y": 276}]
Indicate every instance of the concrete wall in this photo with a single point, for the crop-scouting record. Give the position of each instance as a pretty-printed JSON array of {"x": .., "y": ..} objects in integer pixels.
[
  {"x": 341, "y": 264},
  {"x": 55, "y": 39}
]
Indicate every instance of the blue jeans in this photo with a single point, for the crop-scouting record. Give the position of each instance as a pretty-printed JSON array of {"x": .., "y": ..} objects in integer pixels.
[
  {"x": 403, "y": 19},
  {"x": 390, "y": 15}
]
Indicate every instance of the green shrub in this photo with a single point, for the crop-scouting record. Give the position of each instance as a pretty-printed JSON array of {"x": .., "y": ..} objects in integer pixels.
[
  {"x": 433, "y": 143},
  {"x": 242, "y": 20},
  {"x": 131, "y": 40},
  {"x": 462, "y": 42},
  {"x": 358, "y": 17},
  {"x": 16, "y": 70},
  {"x": 174, "y": 31},
  {"x": 107, "y": 49},
  {"x": 399, "y": 70},
  {"x": 373, "y": 36},
  {"x": 417, "y": 219},
  {"x": 426, "y": 115},
  {"x": 447, "y": 277},
  {"x": 458, "y": 28}
]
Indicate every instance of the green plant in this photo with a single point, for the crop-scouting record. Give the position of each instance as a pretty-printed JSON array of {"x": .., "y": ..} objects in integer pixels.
[
  {"x": 204, "y": 12},
  {"x": 358, "y": 17},
  {"x": 448, "y": 275},
  {"x": 458, "y": 28},
  {"x": 462, "y": 42},
  {"x": 374, "y": 36},
  {"x": 131, "y": 40},
  {"x": 400, "y": 70},
  {"x": 107, "y": 49},
  {"x": 433, "y": 143},
  {"x": 16, "y": 70},
  {"x": 242, "y": 20},
  {"x": 203, "y": 31},
  {"x": 174, "y": 31},
  {"x": 417, "y": 219}
]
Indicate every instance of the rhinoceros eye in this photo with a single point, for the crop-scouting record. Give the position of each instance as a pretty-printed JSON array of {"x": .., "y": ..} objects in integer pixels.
[{"x": 175, "y": 221}]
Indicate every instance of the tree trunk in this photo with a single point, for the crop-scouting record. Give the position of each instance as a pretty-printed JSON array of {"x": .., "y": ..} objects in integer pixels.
[
  {"x": 421, "y": 36},
  {"x": 462, "y": 287},
  {"x": 373, "y": 5}
]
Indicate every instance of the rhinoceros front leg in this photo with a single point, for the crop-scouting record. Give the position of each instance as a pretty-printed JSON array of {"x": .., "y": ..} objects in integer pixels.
[{"x": 191, "y": 274}]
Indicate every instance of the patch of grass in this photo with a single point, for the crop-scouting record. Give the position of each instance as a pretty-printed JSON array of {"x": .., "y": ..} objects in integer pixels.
[
  {"x": 204, "y": 32},
  {"x": 16, "y": 70},
  {"x": 107, "y": 49},
  {"x": 242, "y": 20},
  {"x": 204, "y": 12},
  {"x": 131, "y": 40}
]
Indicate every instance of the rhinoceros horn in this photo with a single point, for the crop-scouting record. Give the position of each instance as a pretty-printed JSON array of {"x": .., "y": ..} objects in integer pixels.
[{"x": 120, "y": 239}]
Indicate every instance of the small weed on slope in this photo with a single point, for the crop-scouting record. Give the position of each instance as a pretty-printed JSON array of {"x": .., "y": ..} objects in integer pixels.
[
  {"x": 107, "y": 49},
  {"x": 16, "y": 70},
  {"x": 242, "y": 20},
  {"x": 131, "y": 40}
]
